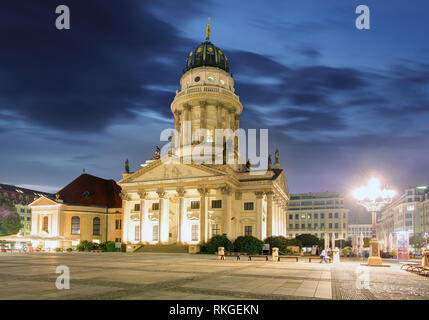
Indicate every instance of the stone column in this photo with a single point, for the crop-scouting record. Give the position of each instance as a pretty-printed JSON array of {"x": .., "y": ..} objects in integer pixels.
[
  {"x": 143, "y": 217},
  {"x": 203, "y": 215},
  {"x": 259, "y": 195},
  {"x": 124, "y": 197},
  {"x": 227, "y": 208},
  {"x": 275, "y": 216},
  {"x": 186, "y": 134},
  {"x": 269, "y": 213},
  {"x": 231, "y": 118},
  {"x": 181, "y": 215},
  {"x": 164, "y": 227}
]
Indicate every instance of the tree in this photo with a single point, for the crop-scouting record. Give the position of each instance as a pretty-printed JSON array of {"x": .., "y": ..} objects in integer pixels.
[
  {"x": 248, "y": 244},
  {"x": 219, "y": 241},
  {"x": 277, "y": 242},
  {"x": 10, "y": 223},
  {"x": 417, "y": 241},
  {"x": 366, "y": 242},
  {"x": 308, "y": 240}
]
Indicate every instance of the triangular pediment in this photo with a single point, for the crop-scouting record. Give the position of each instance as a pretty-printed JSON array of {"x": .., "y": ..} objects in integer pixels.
[
  {"x": 166, "y": 170},
  {"x": 43, "y": 201}
]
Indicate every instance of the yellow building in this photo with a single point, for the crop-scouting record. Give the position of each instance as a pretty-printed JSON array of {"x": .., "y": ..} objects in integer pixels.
[
  {"x": 173, "y": 199},
  {"x": 89, "y": 208}
]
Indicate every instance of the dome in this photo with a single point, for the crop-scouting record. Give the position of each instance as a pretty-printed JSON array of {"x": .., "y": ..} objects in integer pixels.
[{"x": 207, "y": 54}]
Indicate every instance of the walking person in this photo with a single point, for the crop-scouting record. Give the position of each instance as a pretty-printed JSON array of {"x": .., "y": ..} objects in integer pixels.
[{"x": 323, "y": 256}]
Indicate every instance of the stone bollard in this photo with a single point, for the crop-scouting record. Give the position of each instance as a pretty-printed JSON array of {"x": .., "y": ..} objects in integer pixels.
[
  {"x": 425, "y": 259},
  {"x": 221, "y": 253},
  {"x": 30, "y": 247},
  {"x": 275, "y": 254},
  {"x": 336, "y": 256}
]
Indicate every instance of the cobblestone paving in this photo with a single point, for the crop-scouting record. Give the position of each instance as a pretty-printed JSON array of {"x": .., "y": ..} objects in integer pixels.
[{"x": 185, "y": 276}]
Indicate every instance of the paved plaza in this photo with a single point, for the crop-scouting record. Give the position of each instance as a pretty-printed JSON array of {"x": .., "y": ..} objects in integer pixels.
[{"x": 186, "y": 276}]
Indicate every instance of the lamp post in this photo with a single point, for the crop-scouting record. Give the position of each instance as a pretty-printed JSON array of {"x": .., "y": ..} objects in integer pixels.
[{"x": 373, "y": 198}]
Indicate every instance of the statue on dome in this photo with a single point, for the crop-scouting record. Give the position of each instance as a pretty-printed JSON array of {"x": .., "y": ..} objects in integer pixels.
[
  {"x": 208, "y": 30},
  {"x": 157, "y": 154},
  {"x": 127, "y": 166}
]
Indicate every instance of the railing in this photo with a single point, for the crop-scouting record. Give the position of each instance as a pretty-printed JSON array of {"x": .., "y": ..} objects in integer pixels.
[{"x": 207, "y": 89}]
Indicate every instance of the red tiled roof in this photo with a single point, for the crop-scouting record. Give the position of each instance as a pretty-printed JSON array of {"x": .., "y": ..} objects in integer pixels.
[{"x": 91, "y": 190}]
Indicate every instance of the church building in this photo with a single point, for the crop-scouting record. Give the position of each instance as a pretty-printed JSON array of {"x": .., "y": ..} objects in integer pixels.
[{"x": 171, "y": 201}]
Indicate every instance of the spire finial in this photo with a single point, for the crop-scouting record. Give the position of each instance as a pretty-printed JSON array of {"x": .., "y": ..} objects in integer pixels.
[{"x": 208, "y": 30}]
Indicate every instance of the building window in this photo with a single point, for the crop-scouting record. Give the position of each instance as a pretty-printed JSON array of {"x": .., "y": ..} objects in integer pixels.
[
  {"x": 309, "y": 226},
  {"x": 195, "y": 204},
  {"x": 322, "y": 226},
  {"x": 336, "y": 226},
  {"x": 309, "y": 216},
  {"x": 118, "y": 224},
  {"x": 336, "y": 235},
  {"x": 344, "y": 225},
  {"x": 316, "y": 216},
  {"x": 248, "y": 230},
  {"x": 96, "y": 226},
  {"x": 155, "y": 233},
  {"x": 248, "y": 206},
  {"x": 297, "y": 216},
  {"x": 215, "y": 229},
  {"x": 316, "y": 225},
  {"x": 118, "y": 240},
  {"x": 75, "y": 225},
  {"x": 336, "y": 215},
  {"x": 330, "y": 215},
  {"x": 137, "y": 207},
  {"x": 45, "y": 224},
  {"x": 344, "y": 215},
  {"x": 290, "y": 226},
  {"x": 155, "y": 206},
  {"x": 290, "y": 216},
  {"x": 216, "y": 204},
  {"x": 5, "y": 194},
  {"x": 137, "y": 232},
  {"x": 330, "y": 226},
  {"x": 194, "y": 232},
  {"x": 296, "y": 226},
  {"x": 303, "y": 226}
]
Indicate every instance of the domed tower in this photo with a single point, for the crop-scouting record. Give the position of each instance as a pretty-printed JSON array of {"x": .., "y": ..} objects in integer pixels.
[{"x": 207, "y": 99}]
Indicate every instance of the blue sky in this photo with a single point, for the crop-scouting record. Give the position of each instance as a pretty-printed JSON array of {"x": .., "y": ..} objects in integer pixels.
[{"x": 341, "y": 104}]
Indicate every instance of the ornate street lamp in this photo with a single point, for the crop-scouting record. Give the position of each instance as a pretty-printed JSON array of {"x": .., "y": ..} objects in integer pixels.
[{"x": 373, "y": 198}]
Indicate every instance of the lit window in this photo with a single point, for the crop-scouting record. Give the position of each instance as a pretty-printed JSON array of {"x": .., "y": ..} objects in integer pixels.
[
  {"x": 210, "y": 78},
  {"x": 215, "y": 229},
  {"x": 216, "y": 204},
  {"x": 155, "y": 231},
  {"x": 247, "y": 230},
  {"x": 96, "y": 226},
  {"x": 194, "y": 232},
  {"x": 75, "y": 225},
  {"x": 195, "y": 204},
  {"x": 155, "y": 206},
  {"x": 248, "y": 206},
  {"x": 45, "y": 224},
  {"x": 137, "y": 232},
  {"x": 137, "y": 207}
]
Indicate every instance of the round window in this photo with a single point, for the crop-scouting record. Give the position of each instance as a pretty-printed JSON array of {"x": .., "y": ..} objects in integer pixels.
[
  {"x": 222, "y": 82},
  {"x": 197, "y": 79},
  {"x": 210, "y": 78}
]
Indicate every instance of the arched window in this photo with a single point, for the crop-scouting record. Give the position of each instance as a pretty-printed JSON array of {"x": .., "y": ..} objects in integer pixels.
[
  {"x": 45, "y": 224},
  {"x": 75, "y": 225},
  {"x": 96, "y": 226}
]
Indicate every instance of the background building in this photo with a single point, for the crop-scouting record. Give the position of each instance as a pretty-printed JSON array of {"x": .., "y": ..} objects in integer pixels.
[
  {"x": 360, "y": 229},
  {"x": 317, "y": 213},
  {"x": 21, "y": 198},
  {"x": 89, "y": 208},
  {"x": 408, "y": 213}
]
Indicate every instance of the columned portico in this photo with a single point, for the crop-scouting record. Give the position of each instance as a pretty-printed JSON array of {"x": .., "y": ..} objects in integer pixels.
[
  {"x": 259, "y": 223},
  {"x": 163, "y": 217}
]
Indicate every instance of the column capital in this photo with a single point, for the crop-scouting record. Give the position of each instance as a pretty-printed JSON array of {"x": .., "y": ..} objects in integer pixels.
[
  {"x": 269, "y": 193},
  {"x": 259, "y": 194},
  {"x": 142, "y": 194},
  {"x": 203, "y": 191},
  {"x": 226, "y": 190},
  {"x": 203, "y": 103},
  {"x": 187, "y": 107},
  {"x": 162, "y": 194},
  {"x": 180, "y": 192},
  {"x": 124, "y": 195}
]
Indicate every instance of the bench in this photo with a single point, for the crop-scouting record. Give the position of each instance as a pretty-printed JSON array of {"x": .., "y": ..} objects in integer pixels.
[
  {"x": 258, "y": 256},
  {"x": 232, "y": 254},
  {"x": 289, "y": 257},
  {"x": 96, "y": 251},
  {"x": 319, "y": 259}
]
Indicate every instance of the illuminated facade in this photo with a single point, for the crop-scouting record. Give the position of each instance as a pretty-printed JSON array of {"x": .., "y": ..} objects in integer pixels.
[
  {"x": 410, "y": 213},
  {"x": 319, "y": 214},
  {"x": 170, "y": 201}
]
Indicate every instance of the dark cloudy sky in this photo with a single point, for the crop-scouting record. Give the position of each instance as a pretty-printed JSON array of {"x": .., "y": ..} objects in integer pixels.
[{"x": 340, "y": 103}]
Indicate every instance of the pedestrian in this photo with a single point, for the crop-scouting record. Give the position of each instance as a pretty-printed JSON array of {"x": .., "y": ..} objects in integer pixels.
[{"x": 323, "y": 256}]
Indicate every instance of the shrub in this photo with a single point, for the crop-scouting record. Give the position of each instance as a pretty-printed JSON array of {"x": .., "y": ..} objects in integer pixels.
[
  {"x": 345, "y": 252},
  {"x": 248, "y": 244},
  {"x": 203, "y": 248},
  {"x": 58, "y": 250},
  {"x": 394, "y": 252},
  {"x": 69, "y": 249},
  {"x": 218, "y": 241},
  {"x": 85, "y": 245},
  {"x": 278, "y": 242}
]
